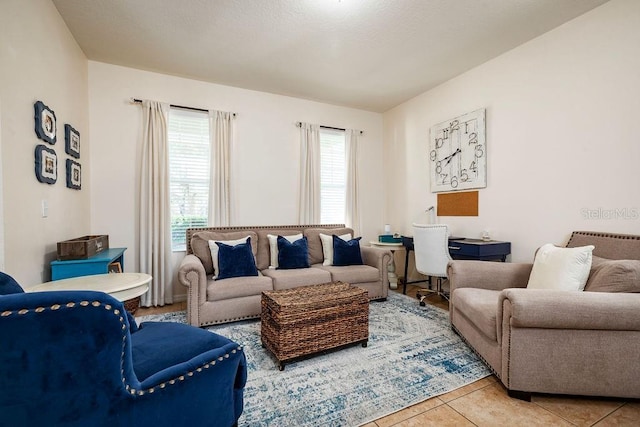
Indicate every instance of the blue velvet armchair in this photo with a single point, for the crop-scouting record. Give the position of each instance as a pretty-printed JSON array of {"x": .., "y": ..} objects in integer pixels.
[{"x": 76, "y": 358}]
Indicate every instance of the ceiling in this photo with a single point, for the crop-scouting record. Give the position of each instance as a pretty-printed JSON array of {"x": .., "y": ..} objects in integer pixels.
[{"x": 366, "y": 54}]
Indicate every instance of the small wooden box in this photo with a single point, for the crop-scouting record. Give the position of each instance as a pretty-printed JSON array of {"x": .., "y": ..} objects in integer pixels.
[
  {"x": 310, "y": 319},
  {"x": 82, "y": 247}
]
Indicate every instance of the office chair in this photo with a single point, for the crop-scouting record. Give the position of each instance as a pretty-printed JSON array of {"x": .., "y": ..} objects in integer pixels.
[{"x": 431, "y": 249}]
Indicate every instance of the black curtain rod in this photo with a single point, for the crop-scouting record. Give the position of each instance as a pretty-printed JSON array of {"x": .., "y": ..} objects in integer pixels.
[
  {"x": 138, "y": 101},
  {"x": 331, "y": 127},
  {"x": 299, "y": 124}
]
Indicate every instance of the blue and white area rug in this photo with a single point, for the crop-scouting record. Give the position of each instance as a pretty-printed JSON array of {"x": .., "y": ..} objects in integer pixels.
[{"x": 412, "y": 355}]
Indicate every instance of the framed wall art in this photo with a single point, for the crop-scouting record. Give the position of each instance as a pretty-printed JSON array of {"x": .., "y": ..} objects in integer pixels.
[
  {"x": 74, "y": 174},
  {"x": 71, "y": 141},
  {"x": 46, "y": 165},
  {"x": 45, "y": 121},
  {"x": 458, "y": 153}
]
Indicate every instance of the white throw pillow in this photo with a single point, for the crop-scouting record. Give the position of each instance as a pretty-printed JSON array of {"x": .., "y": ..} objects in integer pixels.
[
  {"x": 563, "y": 269},
  {"x": 215, "y": 248},
  {"x": 327, "y": 246},
  {"x": 273, "y": 247}
]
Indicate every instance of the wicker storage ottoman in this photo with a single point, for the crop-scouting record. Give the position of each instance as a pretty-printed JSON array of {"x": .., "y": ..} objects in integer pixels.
[{"x": 310, "y": 319}]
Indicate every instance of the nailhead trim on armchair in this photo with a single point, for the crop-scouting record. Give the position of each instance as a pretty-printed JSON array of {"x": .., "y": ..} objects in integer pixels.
[{"x": 116, "y": 312}]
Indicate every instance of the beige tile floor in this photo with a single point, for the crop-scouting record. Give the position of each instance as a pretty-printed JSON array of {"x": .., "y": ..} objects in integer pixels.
[{"x": 486, "y": 403}]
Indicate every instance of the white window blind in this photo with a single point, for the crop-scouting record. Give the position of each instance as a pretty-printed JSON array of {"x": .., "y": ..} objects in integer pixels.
[
  {"x": 189, "y": 151},
  {"x": 332, "y": 176}
]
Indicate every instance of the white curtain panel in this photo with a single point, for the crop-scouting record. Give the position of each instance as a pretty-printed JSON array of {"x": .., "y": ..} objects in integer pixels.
[
  {"x": 352, "y": 212},
  {"x": 309, "y": 208},
  {"x": 221, "y": 129},
  {"x": 154, "y": 243}
]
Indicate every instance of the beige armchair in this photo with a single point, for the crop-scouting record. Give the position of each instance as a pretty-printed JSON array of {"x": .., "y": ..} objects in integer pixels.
[{"x": 564, "y": 342}]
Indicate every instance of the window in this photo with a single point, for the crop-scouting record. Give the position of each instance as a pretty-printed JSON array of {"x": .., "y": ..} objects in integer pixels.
[
  {"x": 332, "y": 176},
  {"x": 189, "y": 150}
]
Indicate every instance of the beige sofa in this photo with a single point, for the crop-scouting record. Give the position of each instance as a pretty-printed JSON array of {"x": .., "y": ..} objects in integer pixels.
[
  {"x": 564, "y": 342},
  {"x": 218, "y": 301}
]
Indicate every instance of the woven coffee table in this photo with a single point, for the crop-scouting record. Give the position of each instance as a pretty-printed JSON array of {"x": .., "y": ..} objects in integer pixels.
[{"x": 310, "y": 319}]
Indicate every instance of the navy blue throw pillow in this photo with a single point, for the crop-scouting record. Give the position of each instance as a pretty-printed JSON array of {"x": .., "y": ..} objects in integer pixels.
[
  {"x": 236, "y": 261},
  {"x": 346, "y": 252},
  {"x": 292, "y": 255}
]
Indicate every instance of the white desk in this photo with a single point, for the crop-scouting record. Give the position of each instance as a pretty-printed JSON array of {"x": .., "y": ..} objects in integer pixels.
[
  {"x": 391, "y": 269},
  {"x": 121, "y": 286}
]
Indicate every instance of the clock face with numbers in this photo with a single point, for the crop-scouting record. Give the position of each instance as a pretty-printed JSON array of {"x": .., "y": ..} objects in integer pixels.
[{"x": 458, "y": 153}]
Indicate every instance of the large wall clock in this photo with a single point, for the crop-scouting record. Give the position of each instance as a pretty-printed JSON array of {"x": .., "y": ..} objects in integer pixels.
[{"x": 458, "y": 153}]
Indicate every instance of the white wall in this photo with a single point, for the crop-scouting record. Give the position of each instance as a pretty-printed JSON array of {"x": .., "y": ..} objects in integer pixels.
[
  {"x": 2, "y": 265},
  {"x": 561, "y": 114},
  {"x": 265, "y": 155},
  {"x": 1, "y": 198},
  {"x": 39, "y": 60},
  {"x": 562, "y": 135}
]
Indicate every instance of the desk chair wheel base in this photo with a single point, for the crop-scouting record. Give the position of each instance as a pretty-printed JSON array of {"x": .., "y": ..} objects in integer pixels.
[
  {"x": 422, "y": 297},
  {"x": 425, "y": 293}
]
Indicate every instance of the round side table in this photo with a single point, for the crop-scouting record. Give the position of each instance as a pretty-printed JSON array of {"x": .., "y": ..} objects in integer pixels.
[{"x": 125, "y": 287}]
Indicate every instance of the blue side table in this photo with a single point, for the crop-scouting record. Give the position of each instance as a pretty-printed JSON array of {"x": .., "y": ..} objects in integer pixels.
[{"x": 97, "y": 264}]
